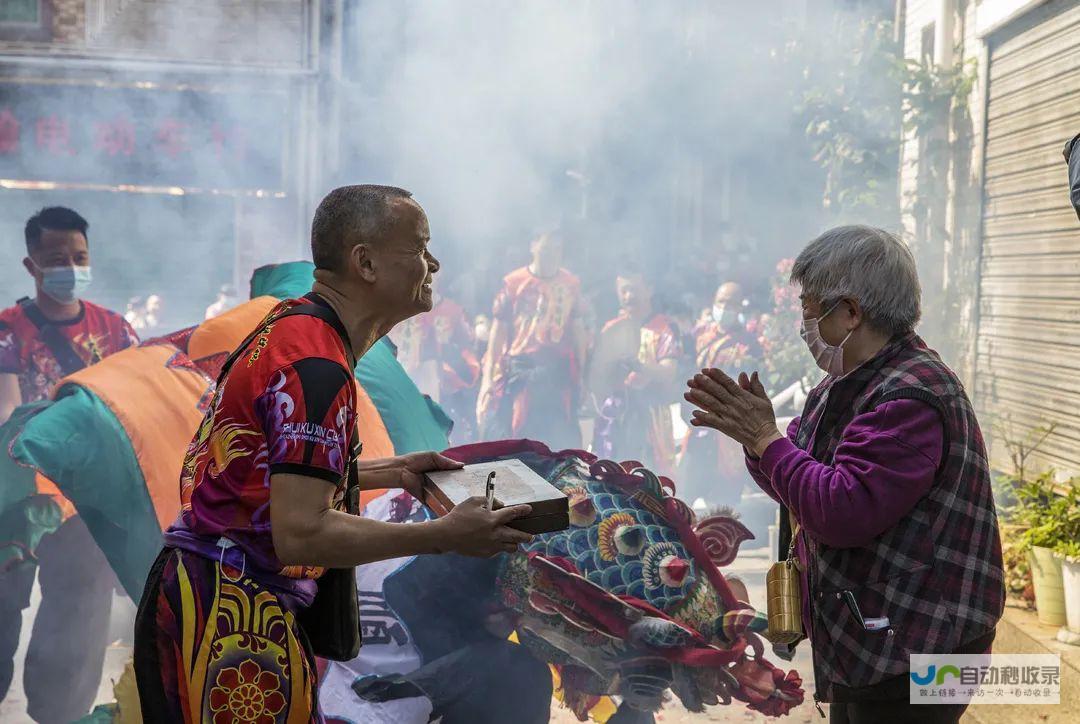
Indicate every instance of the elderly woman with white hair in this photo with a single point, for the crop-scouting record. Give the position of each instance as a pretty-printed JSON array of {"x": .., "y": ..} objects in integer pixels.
[{"x": 885, "y": 478}]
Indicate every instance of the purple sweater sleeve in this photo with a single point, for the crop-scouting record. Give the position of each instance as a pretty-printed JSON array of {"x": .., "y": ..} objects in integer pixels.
[
  {"x": 753, "y": 464},
  {"x": 886, "y": 461}
]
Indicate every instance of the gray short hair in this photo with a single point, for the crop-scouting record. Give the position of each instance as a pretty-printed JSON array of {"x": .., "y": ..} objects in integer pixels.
[
  {"x": 868, "y": 265},
  {"x": 348, "y": 216}
]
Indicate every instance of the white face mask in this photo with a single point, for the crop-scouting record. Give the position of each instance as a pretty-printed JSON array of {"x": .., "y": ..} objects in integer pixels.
[
  {"x": 725, "y": 315},
  {"x": 65, "y": 284},
  {"x": 829, "y": 358}
]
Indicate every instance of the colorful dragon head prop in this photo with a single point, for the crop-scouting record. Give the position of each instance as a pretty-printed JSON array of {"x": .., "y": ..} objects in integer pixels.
[{"x": 630, "y": 599}]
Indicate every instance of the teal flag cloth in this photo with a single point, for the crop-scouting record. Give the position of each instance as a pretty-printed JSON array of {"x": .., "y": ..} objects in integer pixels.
[
  {"x": 25, "y": 516},
  {"x": 81, "y": 446}
]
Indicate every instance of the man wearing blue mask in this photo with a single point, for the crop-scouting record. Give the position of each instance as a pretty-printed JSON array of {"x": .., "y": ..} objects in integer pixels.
[{"x": 41, "y": 341}]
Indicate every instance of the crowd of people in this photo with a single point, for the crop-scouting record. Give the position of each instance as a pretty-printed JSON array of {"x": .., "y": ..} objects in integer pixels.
[
  {"x": 883, "y": 481},
  {"x": 537, "y": 365}
]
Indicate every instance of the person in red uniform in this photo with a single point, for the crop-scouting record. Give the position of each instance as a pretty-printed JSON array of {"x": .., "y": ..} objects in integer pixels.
[
  {"x": 218, "y": 635},
  {"x": 712, "y": 465},
  {"x": 635, "y": 414},
  {"x": 42, "y": 340},
  {"x": 533, "y": 367},
  {"x": 436, "y": 349}
]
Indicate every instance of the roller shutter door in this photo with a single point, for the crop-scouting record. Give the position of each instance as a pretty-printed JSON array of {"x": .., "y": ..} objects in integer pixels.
[{"x": 1028, "y": 364}]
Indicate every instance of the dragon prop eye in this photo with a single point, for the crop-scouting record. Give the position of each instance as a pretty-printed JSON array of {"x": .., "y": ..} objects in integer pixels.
[
  {"x": 629, "y": 539},
  {"x": 582, "y": 511},
  {"x": 619, "y": 534},
  {"x": 661, "y": 566}
]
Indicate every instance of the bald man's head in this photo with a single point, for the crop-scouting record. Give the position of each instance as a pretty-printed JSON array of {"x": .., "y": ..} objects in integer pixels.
[
  {"x": 370, "y": 245},
  {"x": 728, "y": 293},
  {"x": 351, "y": 215}
]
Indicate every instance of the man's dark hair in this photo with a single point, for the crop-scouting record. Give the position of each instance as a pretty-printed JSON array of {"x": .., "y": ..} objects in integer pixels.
[
  {"x": 348, "y": 216},
  {"x": 552, "y": 232},
  {"x": 629, "y": 269},
  {"x": 53, "y": 218}
]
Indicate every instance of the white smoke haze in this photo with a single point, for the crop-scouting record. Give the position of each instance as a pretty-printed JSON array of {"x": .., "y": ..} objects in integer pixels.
[
  {"x": 661, "y": 132},
  {"x": 620, "y": 121}
]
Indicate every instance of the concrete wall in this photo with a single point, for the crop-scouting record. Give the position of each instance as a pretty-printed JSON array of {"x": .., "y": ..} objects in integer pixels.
[
  {"x": 220, "y": 44},
  {"x": 69, "y": 21},
  {"x": 942, "y": 197},
  {"x": 273, "y": 33}
]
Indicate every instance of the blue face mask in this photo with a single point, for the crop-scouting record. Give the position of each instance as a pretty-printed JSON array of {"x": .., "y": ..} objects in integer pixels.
[{"x": 65, "y": 284}]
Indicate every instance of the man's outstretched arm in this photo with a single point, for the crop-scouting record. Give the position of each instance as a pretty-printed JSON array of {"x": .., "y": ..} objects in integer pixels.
[{"x": 307, "y": 531}]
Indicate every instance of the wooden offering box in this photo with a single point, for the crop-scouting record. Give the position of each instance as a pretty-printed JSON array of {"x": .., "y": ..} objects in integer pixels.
[{"x": 515, "y": 483}]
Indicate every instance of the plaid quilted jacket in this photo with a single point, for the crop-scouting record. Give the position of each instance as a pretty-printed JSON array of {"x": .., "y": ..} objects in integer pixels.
[{"x": 937, "y": 574}]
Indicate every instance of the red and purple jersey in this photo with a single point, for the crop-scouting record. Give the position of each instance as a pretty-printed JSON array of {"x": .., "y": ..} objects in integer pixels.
[
  {"x": 94, "y": 334},
  {"x": 539, "y": 311},
  {"x": 287, "y": 405},
  {"x": 726, "y": 348},
  {"x": 659, "y": 339}
]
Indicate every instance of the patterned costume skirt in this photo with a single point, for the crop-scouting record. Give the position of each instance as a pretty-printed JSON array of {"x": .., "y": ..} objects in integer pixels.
[{"x": 214, "y": 645}]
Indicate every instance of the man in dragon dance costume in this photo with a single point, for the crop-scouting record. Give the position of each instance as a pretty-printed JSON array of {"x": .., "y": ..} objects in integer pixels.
[
  {"x": 712, "y": 464},
  {"x": 41, "y": 341},
  {"x": 532, "y": 370},
  {"x": 217, "y": 635},
  {"x": 634, "y": 403}
]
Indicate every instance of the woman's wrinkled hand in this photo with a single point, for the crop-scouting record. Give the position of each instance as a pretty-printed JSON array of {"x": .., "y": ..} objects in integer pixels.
[{"x": 742, "y": 411}]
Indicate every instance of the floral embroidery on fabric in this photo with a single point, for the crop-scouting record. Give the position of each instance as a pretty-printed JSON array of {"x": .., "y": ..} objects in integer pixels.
[{"x": 246, "y": 694}]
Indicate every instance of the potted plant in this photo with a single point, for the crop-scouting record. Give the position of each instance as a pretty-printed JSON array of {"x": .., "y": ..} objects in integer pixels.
[
  {"x": 1052, "y": 520},
  {"x": 1049, "y": 586},
  {"x": 1069, "y": 553}
]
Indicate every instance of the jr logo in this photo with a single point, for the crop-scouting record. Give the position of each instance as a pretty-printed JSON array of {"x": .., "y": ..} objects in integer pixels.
[{"x": 932, "y": 673}]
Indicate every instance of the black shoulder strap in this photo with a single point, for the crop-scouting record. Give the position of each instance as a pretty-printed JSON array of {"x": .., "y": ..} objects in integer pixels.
[
  {"x": 785, "y": 534},
  {"x": 352, "y": 490},
  {"x": 311, "y": 310},
  {"x": 352, "y": 486},
  {"x": 59, "y": 345}
]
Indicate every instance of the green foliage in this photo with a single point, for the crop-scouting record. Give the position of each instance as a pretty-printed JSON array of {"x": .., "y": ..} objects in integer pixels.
[
  {"x": 858, "y": 98},
  {"x": 787, "y": 360},
  {"x": 1004, "y": 487},
  {"x": 1020, "y": 446},
  {"x": 934, "y": 102},
  {"x": 1017, "y": 566},
  {"x": 932, "y": 94},
  {"x": 1069, "y": 549},
  {"x": 851, "y": 108},
  {"x": 1051, "y": 520},
  {"x": 1032, "y": 510}
]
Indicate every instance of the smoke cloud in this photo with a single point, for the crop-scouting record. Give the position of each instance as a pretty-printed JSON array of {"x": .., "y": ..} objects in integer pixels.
[
  {"x": 638, "y": 126},
  {"x": 664, "y": 133}
]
